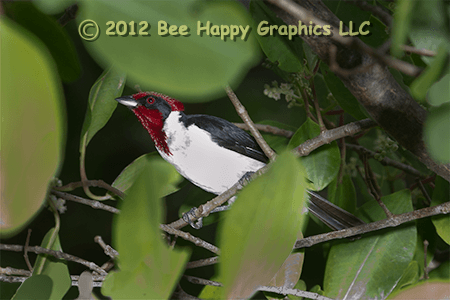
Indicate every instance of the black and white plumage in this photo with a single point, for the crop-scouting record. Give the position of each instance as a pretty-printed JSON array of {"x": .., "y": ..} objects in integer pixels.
[{"x": 211, "y": 152}]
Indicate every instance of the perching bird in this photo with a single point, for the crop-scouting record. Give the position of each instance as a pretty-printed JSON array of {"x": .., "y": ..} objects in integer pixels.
[{"x": 211, "y": 152}]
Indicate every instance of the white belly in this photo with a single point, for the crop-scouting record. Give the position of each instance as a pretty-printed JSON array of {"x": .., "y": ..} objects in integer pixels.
[{"x": 204, "y": 163}]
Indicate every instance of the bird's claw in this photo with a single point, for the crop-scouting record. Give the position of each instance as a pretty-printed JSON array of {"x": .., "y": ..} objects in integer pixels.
[
  {"x": 190, "y": 215},
  {"x": 246, "y": 178}
]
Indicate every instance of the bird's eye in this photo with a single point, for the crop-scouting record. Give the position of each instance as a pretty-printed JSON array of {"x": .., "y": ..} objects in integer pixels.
[{"x": 150, "y": 100}]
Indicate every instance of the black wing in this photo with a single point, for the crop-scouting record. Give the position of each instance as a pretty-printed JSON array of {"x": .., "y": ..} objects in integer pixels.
[{"x": 227, "y": 135}]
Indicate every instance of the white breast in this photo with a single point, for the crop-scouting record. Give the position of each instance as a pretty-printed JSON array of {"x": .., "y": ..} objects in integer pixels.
[{"x": 202, "y": 161}]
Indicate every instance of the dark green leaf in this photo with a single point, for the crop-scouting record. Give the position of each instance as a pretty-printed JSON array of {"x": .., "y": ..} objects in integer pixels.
[
  {"x": 441, "y": 194},
  {"x": 35, "y": 287},
  {"x": 193, "y": 68},
  {"x": 287, "y": 53},
  {"x": 343, "y": 194},
  {"x": 437, "y": 135},
  {"x": 259, "y": 232},
  {"x": 372, "y": 266},
  {"x": 32, "y": 127},
  {"x": 322, "y": 165},
  {"x": 51, "y": 33},
  {"x": 342, "y": 95},
  {"x": 148, "y": 268},
  {"x": 129, "y": 175},
  {"x": 101, "y": 103}
]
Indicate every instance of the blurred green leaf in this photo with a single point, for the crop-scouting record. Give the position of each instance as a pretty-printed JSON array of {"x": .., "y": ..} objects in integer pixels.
[
  {"x": 343, "y": 194},
  {"x": 437, "y": 135},
  {"x": 51, "y": 33},
  {"x": 54, "y": 268},
  {"x": 371, "y": 267},
  {"x": 402, "y": 22},
  {"x": 342, "y": 95},
  {"x": 441, "y": 194},
  {"x": 439, "y": 93},
  {"x": 420, "y": 86},
  {"x": 35, "y": 287},
  {"x": 193, "y": 68},
  {"x": 410, "y": 275},
  {"x": 148, "y": 268},
  {"x": 129, "y": 175},
  {"x": 260, "y": 230},
  {"x": 102, "y": 103},
  {"x": 441, "y": 272},
  {"x": 52, "y": 7},
  {"x": 322, "y": 165},
  {"x": 33, "y": 126},
  {"x": 286, "y": 53}
]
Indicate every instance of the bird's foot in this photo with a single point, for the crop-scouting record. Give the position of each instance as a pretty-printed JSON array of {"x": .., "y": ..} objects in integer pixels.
[
  {"x": 190, "y": 215},
  {"x": 246, "y": 179},
  {"x": 224, "y": 207}
]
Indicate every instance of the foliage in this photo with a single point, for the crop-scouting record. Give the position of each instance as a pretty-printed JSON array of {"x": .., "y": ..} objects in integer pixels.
[{"x": 46, "y": 67}]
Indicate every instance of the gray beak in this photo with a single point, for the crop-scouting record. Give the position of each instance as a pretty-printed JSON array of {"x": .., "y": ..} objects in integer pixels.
[{"x": 128, "y": 101}]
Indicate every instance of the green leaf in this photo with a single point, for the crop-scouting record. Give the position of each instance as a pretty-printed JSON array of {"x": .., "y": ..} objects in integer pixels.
[
  {"x": 437, "y": 135},
  {"x": 287, "y": 53},
  {"x": 194, "y": 67},
  {"x": 129, "y": 175},
  {"x": 372, "y": 266},
  {"x": 260, "y": 231},
  {"x": 102, "y": 103},
  {"x": 322, "y": 165},
  {"x": 35, "y": 287},
  {"x": 421, "y": 85},
  {"x": 51, "y": 33},
  {"x": 343, "y": 194},
  {"x": 342, "y": 95},
  {"x": 276, "y": 142},
  {"x": 52, "y": 7},
  {"x": 441, "y": 272},
  {"x": 441, "y": 194},
  {"x": 402, "y": 22},
  {"x": 148, "y": 268},
  {"x": 54, "y": 268},
  {"x": 33, "y": 126},
  {"x": 410, "y": 276},
  {"x": 439, "y": 93}
]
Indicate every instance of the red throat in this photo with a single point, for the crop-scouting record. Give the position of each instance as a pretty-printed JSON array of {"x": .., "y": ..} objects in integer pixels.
[{"x": 151, "y": 119}]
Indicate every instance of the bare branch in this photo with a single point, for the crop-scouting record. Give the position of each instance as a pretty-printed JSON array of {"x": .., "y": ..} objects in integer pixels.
[
  {"x": 242, "y": 112},
  {"x": 189, "y": 237},
  {"x": 392, "y": 222},
  {"x": 295, "y": 292},
  {"x": 57, "y": 254},
  {"x": 268, "y": 128},
  {"x": 92, "y": 203},
  {"x": 110, "y": 251},
  {"x": 197, "y": 280},
  {"x": 91, "y": 183},
  {"x": 377, "y": 11},
  {"x": 202, "y": 262}
]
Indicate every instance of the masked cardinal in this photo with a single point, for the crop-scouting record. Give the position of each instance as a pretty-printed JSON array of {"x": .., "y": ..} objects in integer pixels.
[{"x": 211, "y": 152}]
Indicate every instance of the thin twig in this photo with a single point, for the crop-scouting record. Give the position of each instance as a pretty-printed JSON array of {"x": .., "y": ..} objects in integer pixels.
[
  {"x": 242, "y": 112},
  {"x": 189, "y": 237},
  {"x": 13, "y": 271},
  {"x": 333, "y": 134},
  {"x": 92, "y": 183},
  {"x": 306, "y": 17},
  {"x": 110, "y": 251},
  {"x": 57, "y": 254},
  {"x": 25, "y": 250},
  {"x": 268, "y": 128},
  {"x": 392, "y": 222},
  {"x": 425, "y": 263},
  {"x": 386, "y": 161},
  {"x": 424, "y": 192},
  {"x": 424, "y": 52},
  {"x": 202, "y": 262},
  {"x": 92, "y": 203},
  {"x": 295, "y": 292},
  {"x": 317, "y": 107},
  {"x": 182, "y": 295},
  {"x": 69, "y": 14},
  {"x": 201, "y": 281}
]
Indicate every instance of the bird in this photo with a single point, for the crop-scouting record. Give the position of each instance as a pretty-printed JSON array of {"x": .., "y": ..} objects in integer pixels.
[{"x": 211, "y": 152}]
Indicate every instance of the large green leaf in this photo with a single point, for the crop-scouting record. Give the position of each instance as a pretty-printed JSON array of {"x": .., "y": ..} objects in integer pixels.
[
  {"x": 322, "y": 165},
  {"x": 439, "y": 93},
  {"x": 343, "y": 194},
  {"x": 402, "y": 21},
  {"x": 129, "y": 175},
  {"x": 371, "y": 267},
  {"x": 51, "y": 33},
  {"x": 35, "y": 287},
  {"x": 191, "y": 67},
  {"x": 54, "y": 268},
  {"x": 101, "y": 103},
  {"x": 441, "y": 194},
  {"x": 260, "y": 230},
  {"x": 280, "y": 49},
  {"x": 33, "y": 125},
  {"x": 148, "y": 268},
  {"x": 437, "y": 135}
]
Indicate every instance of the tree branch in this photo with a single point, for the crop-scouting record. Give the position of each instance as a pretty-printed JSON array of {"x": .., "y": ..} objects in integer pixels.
[{"x": 267, "y": 128}]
